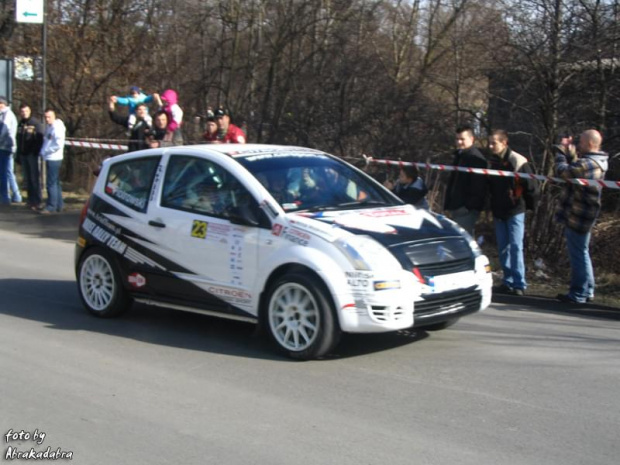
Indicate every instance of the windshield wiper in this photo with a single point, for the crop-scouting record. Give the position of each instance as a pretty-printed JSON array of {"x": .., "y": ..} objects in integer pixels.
[
  {"x": 320, "y": 208},
  {"x": 365, "y": 202},
  {"x": 348, "y": 205}
]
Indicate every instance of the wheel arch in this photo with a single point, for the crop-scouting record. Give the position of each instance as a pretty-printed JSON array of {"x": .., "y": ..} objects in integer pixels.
[
  {"x": 116, "y": 262},
  {"x": 283, "y": 270}
]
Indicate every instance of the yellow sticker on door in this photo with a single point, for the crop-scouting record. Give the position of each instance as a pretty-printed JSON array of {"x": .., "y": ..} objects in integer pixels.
[{"x": 199, "y": 229}]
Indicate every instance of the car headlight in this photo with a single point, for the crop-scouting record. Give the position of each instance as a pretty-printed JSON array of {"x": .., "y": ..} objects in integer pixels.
[
  {"x": 363, "y": 252},
  {"x": 473, "y": 245}
]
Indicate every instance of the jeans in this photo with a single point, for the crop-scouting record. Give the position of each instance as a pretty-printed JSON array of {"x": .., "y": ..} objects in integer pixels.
[
  {"x": 581, "y": 271},
  {"x": 509, "y": 235},
  {"x": 465, "y": 218},
  {"x": 30, "y": 168},
  {"x": 54, "y": 191},
  {"x": 5, "y": 160},
  {"x": 17, "y": 196}
]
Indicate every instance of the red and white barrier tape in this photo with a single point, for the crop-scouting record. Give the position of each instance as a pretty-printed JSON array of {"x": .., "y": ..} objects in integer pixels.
[
  {"x": 487, "y": 172},
  {"x": 95, "y": 145}
]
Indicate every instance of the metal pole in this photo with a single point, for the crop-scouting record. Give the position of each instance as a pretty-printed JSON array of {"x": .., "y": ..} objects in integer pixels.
[
  {"x": 43, "y": 60},
  {"x": 42, "y": 171}
]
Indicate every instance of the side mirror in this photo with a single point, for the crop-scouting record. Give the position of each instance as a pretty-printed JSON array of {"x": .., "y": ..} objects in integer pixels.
[
  {"x": 243, "y": 220},
  {"x": 249, "y": 215}
]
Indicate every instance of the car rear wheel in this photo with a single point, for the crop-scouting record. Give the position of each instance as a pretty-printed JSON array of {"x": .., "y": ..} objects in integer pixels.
[
  {"x": 99, "y": 285},
  {"x": 301, "y": 319}
]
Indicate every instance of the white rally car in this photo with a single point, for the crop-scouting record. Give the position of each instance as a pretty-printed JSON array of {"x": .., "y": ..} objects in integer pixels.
[{"x": 291, "y": 238}]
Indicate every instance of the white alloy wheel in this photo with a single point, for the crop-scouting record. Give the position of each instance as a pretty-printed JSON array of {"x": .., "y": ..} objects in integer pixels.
[
  {"x": 294, "y": 317},
  {"x": 99, "y": 285},
  {"x": 97, "y": 282}
]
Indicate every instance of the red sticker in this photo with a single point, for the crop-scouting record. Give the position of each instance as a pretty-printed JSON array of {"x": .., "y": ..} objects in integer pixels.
[
  {"x": 136, "y": 280},
  {"x": 385, "y": 213}
]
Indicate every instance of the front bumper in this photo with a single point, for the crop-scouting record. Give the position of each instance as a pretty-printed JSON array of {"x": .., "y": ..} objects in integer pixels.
[{"x": 395, "y": 310}]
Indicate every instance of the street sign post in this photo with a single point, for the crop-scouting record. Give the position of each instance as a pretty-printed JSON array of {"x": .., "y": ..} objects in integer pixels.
[{"x": 29, "y": 11}]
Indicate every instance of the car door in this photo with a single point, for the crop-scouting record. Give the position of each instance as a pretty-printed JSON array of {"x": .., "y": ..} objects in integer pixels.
[{"x": 201, "y": 226}]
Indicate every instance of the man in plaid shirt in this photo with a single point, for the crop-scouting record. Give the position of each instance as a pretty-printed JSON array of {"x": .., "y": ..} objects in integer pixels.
[{"x": 579, "y": 208}]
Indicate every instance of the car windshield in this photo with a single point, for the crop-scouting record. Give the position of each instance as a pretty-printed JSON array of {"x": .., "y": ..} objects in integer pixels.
[{"x": 315, "y": 182}]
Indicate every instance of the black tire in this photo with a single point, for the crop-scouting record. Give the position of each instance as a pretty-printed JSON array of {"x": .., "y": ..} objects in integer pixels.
[
  {"x": 440, "y": 326},
  {"x": 100, "y": 286},
  {"x": 300, "y": 317}
]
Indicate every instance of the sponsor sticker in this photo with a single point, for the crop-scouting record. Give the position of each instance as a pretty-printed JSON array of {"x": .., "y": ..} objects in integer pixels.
[
  {"x": 199, "y": 229},
  {"x": 297, "y": 236},
  {"x": 276, "y": 230},
  {"x": 383, "y": 285},
  {"x": 136, "y": 280},
  {"x": 229, "y": 294},
  {"x": 386, "y": 213},
  {"x": 156, "y": 181},
  {"x": 358, "y": 278},
  {"x": 103, "y": 236}
]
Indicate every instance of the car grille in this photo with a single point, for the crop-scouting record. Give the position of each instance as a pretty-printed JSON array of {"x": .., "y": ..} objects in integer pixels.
[
  {"x": 458, "y": 302},
  {"x": 384, "y": 314},
  {"x": 456, "y": 266},
  {"x": 438, "y": 251}
]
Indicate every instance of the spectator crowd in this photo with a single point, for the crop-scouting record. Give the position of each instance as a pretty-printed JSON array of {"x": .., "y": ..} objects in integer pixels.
[{"x": 33, "y": 144}]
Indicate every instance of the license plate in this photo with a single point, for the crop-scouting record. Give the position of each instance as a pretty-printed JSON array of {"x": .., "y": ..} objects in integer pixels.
[{"x": 449, "y": 282}]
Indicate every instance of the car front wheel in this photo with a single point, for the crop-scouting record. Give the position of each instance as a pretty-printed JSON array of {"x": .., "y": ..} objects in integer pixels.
[
  {"x": 301, "y": 319},
  {"x": 99, "y": 285}
]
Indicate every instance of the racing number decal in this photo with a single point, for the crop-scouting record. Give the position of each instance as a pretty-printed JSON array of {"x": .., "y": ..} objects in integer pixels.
[{"x": 199, "y": 229}]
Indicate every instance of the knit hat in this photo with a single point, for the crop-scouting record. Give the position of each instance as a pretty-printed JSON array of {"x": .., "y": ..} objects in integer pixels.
[{"x": 4, "y": 100}]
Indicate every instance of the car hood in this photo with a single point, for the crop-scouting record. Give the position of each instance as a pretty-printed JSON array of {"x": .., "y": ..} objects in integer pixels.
[{"x": 388, "y": 225}]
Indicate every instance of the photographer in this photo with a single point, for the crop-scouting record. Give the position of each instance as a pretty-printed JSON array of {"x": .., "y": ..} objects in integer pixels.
[
  {"x": 579, "y": 208},
  {"x": 141, "y": 124}
]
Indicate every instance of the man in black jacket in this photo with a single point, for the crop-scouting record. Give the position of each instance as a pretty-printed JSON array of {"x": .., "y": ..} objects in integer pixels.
[
  {"x": 159, "y": 136},
  {"x": 510, "y": 197},
  {"x": 138, "y": 125},
  {"x": 466, "y": 192},
  {"x": 29, "y": 142}
]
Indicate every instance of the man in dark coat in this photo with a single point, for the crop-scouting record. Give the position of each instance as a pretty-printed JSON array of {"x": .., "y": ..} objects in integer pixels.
[
  {"x": 466, "y": 192},
  {"x": 138, "y": 124},
  {"x": 29, "y": 142}
]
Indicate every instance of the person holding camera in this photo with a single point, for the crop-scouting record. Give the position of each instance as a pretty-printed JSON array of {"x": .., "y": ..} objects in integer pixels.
[
  {"x": 138, "y": 130},
  {"x": 578, "y": 211}
]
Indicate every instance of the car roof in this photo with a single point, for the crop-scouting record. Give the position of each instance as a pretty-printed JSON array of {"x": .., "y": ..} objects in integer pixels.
[
  {"x": 234, "y": 151},
  {"x": 247, "y": 150}
]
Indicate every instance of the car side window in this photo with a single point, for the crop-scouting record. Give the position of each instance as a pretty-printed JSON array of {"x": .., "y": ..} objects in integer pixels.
[
  {"x": 129, "y": 182},
  {"x": 201, "y": 186}
]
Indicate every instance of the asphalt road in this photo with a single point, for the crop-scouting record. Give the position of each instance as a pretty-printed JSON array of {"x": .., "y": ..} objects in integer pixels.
[{"x": 525, "y": 382}]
